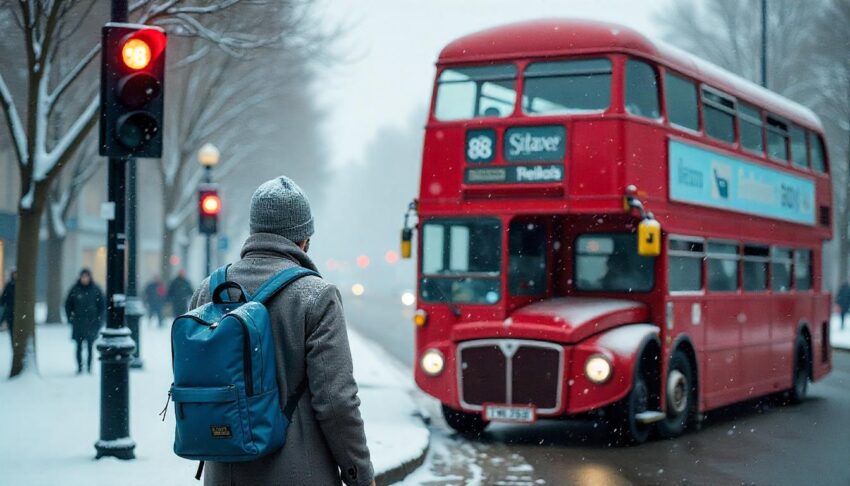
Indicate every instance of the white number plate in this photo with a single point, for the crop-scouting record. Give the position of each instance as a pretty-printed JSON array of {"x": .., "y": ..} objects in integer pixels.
[{"x": 509, "y": 413}]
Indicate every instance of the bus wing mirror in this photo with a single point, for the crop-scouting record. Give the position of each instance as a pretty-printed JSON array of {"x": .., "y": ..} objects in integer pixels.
[{"x": 649, "y": 237}]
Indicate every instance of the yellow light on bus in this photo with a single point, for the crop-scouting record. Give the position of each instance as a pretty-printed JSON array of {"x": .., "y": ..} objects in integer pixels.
[
  {"x": 598, "y": 369},
  {"x": 420, "y": 318},
  {"x": 136, "y": 54},
  {"x": 432, "y": 362}
]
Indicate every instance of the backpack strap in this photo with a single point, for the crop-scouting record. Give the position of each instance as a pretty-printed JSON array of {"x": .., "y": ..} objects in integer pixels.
[
  {"x": 279, "y": 282},
  {"x": 218, "y": 277},
  {"x": 292, "y": 400}
]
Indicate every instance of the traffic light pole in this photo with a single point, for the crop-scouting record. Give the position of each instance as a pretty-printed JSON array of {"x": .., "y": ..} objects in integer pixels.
[
  {"x": 116, "y": 344},
  {"x": 208, "y": 177},
  {"x": 134, "y": 309}
]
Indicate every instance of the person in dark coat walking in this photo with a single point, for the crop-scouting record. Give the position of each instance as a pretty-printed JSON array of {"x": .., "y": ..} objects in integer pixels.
[
  {"x": 179, "y": 293},
  {"x": 85, "y": 308},
  {"x": 326, "y": 441},
  {"x": 842, "y": 299},
  {"x": 7, "y": 306},
  {"x": 155, "y": 299}
]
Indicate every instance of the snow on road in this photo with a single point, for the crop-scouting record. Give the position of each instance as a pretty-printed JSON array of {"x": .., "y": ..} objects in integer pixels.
[{"x": 50, "y": 421}]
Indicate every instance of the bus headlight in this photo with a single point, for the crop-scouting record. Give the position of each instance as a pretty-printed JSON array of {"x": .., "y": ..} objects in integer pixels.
[
  {"x": 432, "y": 362},
  {"x": 598, "y": 369}
]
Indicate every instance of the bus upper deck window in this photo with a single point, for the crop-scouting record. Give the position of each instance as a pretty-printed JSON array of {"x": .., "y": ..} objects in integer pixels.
[
  {"x": 642, "y": 89},
  {"x": 752, "y": 136},
  {"x": 799, "y": 157},
  {"x": 681, "y": 97},
  {"x": 478, "y": 91},
  {"x": 777, "y": 138},
  {"x": 719, "y": 115},
  {"x": 560, "y": 87},
  {"x": 817, "y": 152}
]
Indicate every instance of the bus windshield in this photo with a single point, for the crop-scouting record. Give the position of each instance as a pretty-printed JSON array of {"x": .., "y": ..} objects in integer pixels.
[
  {"x": 610, "y": 262},
  {"x": 480, "y": 91},
  {"x": 461, "y": 260}
]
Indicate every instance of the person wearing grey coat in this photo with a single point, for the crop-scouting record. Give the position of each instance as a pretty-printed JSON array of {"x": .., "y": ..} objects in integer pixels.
[{"x": 326, "y": 441}]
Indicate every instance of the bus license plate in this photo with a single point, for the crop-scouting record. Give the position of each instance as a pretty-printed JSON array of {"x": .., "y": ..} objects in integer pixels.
[{"x": 509, "y": 413}]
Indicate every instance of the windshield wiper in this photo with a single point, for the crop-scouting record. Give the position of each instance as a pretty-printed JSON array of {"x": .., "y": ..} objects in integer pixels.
[{"x": 452, "y": 306}]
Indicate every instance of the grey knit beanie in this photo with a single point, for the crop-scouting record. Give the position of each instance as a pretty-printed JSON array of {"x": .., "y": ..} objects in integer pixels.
[{"x": 279, "y": 206}]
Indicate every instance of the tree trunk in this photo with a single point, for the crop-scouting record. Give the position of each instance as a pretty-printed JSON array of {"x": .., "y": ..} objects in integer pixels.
[
  {"x": 55, "y": 262},
  {"x": 23, "y": 358}
]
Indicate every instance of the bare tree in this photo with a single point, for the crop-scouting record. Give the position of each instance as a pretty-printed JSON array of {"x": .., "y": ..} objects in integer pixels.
[
  {"x": 807, "y": 62},
  {"x": 28, "y": 117}
]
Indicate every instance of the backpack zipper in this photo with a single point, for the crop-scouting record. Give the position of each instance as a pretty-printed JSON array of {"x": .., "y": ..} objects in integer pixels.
[{"x": 246, "y": 355}]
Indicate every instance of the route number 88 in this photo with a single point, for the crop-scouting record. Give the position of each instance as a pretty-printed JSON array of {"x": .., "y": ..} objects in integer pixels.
[{"x": 479, "y": 148}]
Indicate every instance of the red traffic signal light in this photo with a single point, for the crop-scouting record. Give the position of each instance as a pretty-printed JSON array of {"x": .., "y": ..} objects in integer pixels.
[
  {"x": 211, "y": 204},
  {"x": 209, "y": 207},
  {"x": 132, "y": 84}
]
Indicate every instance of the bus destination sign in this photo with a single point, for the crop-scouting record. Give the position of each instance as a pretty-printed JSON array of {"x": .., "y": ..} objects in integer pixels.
[
  {"x": 515, "y": 174},
  {"x": 708, "y": 178},
  {"x": 538, "y": 143}
]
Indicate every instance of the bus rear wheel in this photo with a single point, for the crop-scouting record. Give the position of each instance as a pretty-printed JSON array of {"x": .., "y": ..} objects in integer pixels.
[
  {"x": 681, "y": 397},
  {"x": 800, "y": 385},
  {"x": 464, "y": 422},
  {"x": 625, "y": 426}
]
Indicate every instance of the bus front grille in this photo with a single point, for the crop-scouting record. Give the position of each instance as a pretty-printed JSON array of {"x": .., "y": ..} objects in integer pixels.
[{"x": 510, "y": 371}]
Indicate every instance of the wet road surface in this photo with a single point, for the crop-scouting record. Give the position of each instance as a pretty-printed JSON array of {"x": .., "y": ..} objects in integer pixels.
[{"x": 760, "y": 442}]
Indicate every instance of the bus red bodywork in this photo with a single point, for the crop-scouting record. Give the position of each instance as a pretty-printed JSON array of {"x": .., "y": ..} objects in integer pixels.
[{"x": 508, "y": 346}]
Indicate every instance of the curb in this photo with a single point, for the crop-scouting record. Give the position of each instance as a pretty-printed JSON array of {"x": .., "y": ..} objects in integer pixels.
[{"x": 403, "y": 470}]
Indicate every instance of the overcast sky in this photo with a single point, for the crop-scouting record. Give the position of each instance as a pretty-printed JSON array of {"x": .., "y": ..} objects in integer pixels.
[{"x": 394, "y": 44}]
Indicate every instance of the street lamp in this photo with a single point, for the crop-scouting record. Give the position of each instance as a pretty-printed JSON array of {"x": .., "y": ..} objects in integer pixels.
[{"x": 208, "y": 157}]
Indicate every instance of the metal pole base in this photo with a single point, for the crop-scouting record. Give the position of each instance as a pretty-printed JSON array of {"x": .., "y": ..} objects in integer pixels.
[{"x": 116, "y": 352}]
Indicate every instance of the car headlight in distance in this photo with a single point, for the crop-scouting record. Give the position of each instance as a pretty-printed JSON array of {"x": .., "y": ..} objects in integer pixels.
[
  {"x": 432, "y": 362},
  {"x": 408, "y": 299},
  {"x": 597, "y": 369}
]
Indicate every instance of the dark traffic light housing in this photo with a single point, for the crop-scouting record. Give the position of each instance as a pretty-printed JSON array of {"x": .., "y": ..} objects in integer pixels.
[
  {"x": 209, "y": 206},
  {"x": 132, "y": 90}
]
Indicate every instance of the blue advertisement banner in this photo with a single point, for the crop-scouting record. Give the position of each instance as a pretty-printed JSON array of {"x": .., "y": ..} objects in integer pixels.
[{"x": 708, "y": 178}]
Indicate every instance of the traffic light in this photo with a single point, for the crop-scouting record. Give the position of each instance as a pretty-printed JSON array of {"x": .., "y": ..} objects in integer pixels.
[
  {"x": 132, "y": 90},
  {"x": 209, "y": 205}
]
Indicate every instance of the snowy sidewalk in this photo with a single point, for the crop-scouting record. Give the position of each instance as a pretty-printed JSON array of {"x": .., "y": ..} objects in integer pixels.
[
  {"x": 49, "y": 423},
  {"x": 840, "y": 338}
]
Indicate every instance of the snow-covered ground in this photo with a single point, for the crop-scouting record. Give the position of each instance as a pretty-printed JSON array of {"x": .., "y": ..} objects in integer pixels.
[
  {"x": 49, "y": 423},
  {"x": 840, "y": 338}
]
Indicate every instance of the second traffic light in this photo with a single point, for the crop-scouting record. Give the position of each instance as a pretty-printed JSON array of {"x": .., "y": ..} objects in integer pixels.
[
  {"x": 209, "y": 206},
  {"x": 132, "y": 90}
]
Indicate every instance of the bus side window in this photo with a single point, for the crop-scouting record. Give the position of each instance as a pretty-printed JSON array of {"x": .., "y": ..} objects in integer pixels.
[
  {"x": 642, "y": 89},
  {"x": 756, "y": 259},
  {"x": 752, "y": 137},
  {"x": 780, "y": 269},
  {"x": 777, "y": 138},
  {"x": 685, "y": 265},
  {"x": 722, "y": 261},
  {"x": 681, "y": 97},
  {"x": 798, "y": 147},
  {"x": 816, "y": 152},
  {"x": 718, "y": 113},
  {"x": 527, "y": 258},
  {"x": 803, "y": 269}
]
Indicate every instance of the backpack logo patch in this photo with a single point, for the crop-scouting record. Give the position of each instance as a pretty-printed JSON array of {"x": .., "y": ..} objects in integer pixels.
[{"x": 221, "y": 431}]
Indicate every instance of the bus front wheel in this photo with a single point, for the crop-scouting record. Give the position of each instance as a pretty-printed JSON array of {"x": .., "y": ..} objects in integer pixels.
[
  {"x": 464, "y": 422},
  {"x": 800, "y": 385},
  {"x": 681, "y": 397},
  {"x": 625, "y": 426}
]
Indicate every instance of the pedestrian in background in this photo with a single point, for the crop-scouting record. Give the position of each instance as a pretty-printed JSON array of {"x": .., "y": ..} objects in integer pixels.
[
  {"x": 179, "y": 293},
  {"x": 842, "y": 300},
  {"x": 326, "y": 441},
  {"x": 7, "y": 306},
  {"x": 155, "y": 299},
  {"x": 85, "y": 308}
]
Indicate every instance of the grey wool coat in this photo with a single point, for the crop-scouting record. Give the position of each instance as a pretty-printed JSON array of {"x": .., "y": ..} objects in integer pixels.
[{"x": 325, "y": 441}]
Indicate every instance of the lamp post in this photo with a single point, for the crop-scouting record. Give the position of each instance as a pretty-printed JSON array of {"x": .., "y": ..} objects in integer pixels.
[{"x": 208, "y": 157}]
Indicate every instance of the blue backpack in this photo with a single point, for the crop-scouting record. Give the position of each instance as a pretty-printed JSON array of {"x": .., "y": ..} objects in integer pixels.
[{"x": 225, "y": 389}]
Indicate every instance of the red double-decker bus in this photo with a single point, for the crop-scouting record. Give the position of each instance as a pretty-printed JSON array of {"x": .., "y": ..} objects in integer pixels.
[{"x": 607, "y": 224}]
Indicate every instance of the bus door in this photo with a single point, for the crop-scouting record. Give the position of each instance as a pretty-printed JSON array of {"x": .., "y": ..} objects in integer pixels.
[{"x": 723, "y": 324}]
